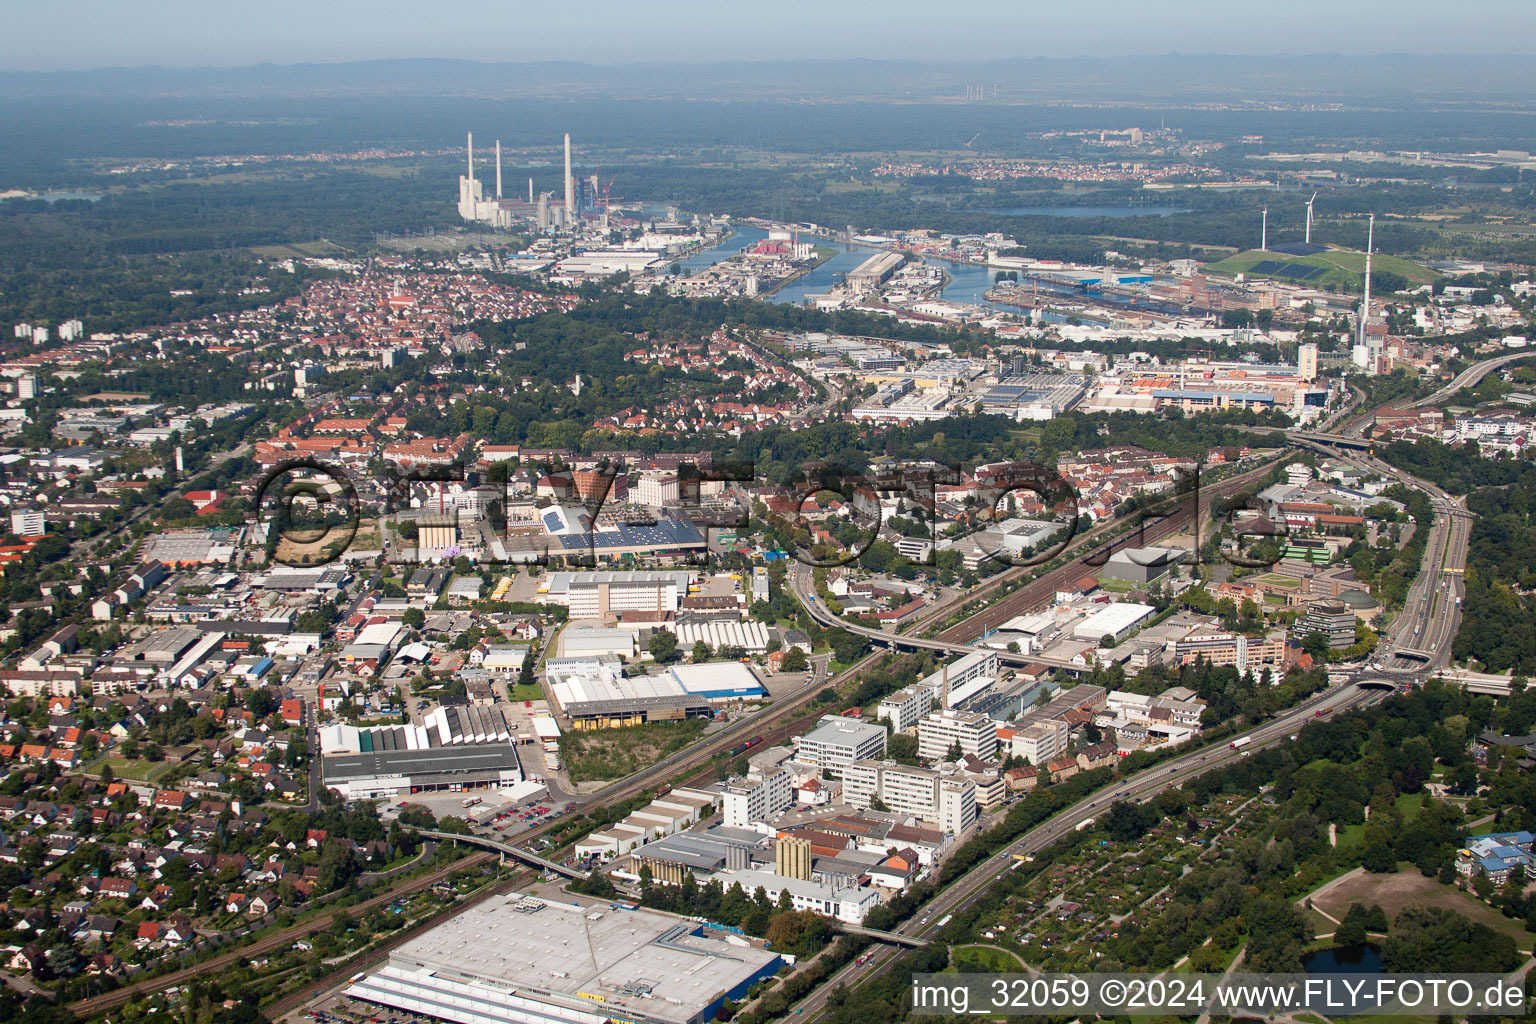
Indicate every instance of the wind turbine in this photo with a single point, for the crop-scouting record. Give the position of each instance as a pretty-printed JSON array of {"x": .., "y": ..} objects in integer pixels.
[{"x": 1309, "y": 216}]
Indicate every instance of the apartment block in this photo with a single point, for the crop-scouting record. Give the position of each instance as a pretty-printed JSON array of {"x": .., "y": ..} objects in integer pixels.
[
  {"x": 976, "y": 733},
  {"x": 905, "y": 708},
  {"x": 838, "y": 742}
]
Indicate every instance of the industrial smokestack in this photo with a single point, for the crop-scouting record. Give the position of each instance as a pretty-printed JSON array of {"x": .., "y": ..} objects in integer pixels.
[
  {"x": 498, "y": 168},
  {"x": 1365, "y": 306},
  {"x": 570, "y": 186},
  {"x": 530, "y": 191},
  {"x": 471, "y": 144}
]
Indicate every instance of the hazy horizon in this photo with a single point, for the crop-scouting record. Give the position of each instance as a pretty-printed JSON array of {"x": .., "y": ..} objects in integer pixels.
[{"x": 85, "y": 35}]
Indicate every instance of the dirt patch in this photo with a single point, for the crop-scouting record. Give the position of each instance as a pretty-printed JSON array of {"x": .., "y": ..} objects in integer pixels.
[{"x": 1397, "y": 892}]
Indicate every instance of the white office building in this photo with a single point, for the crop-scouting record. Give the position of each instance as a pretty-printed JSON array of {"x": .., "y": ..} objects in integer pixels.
[
  {"x": 838, "y": 742},
  {"x": 657, "y": 490},
  {"x": 966, "y": 678},
  {"x": 28, "y": 523},
  {"x": 1039, "y": 742},
  {"x": 976, "y": 733},
  {"x": 949, "y": 802},
  {"x": 758, "y": 797},
  {"x": 905, "y": 708},
  {"x": 849, "y": 903}
]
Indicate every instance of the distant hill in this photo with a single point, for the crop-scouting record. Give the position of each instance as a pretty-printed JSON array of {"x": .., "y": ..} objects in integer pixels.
[
  {"x": 1491, "y": 82},
  {"x": 1335, "y": 268}
]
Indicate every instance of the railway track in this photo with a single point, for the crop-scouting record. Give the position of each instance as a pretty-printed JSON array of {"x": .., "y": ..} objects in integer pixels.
[
  {"x": 291, "y": 1002},
  {"x": 783, "y": 720},
  {"x": 1037, "y": 592},
  {"x": 278, "y": 940}
]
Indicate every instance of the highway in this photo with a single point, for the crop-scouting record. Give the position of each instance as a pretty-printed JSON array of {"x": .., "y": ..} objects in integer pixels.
[
  {"x": 1416, "y": 645},
  {"x": 1470, "y": 377},
  {"x": 1140, "y": 787}
]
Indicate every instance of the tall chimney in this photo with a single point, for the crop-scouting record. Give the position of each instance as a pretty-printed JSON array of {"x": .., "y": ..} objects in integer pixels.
[
  {"x": 530, "y": 191},
  {"x": 498, "y": 168},
  {"x": 471, "y": 158},
  {"x": 1365, "y": 305},
  {"x": 570, "y": 187}
]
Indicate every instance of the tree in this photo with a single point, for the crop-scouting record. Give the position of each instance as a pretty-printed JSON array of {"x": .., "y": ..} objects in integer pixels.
[
  {"x": 701, "y": 651},
  {"x": 794, "y": 660},
  {"x": 954, "y": 753},
  {"x": 663, "y": 645},
  {"x": 414, "y": 618},
  {"x": 1128, "y": 822}
]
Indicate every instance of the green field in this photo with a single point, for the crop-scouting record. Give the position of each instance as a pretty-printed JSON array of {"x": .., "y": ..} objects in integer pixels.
[
  {"x": 982, "y": 959},
  {"x": 1344, "y": 267},
  {"x": 1275, "y": 579},
  {"x": 526, "y": 691},
  {"x": 1408, "y": 805},
  {"x": 138, "y": 770}
]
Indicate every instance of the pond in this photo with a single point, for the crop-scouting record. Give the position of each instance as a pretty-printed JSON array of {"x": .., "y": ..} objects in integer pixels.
[{"x": 1362, "y": 959}]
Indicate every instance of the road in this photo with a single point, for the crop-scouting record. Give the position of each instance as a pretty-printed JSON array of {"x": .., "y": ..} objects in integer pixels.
[
  {"x": 1470, "y": 377},
  {"x": 280, "y": 939},
  {"x": 959, "y": 638},
  {"x": 1140, "y": 787}
]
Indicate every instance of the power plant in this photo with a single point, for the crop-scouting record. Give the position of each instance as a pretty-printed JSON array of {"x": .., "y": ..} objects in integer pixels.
[{"x": 583, "y": 199}]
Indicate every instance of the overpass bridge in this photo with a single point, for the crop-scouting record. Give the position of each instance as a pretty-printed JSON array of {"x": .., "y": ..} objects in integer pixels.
[
  {"x": 515, "y": 852},
  {"x": 1479, "y": 682},
  {"x": 896, "y": 938},
  {"x": 903, "y": 641}
]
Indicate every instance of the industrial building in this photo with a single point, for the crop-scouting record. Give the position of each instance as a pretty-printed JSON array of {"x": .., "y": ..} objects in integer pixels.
[
  {"x": 750, "y": 636},
  {"x": 701, "y": 854},
  {"x": 453, "y": 749},
  {"x": 594, "y": 693},
  {"x": 964, "y": 679},
  {"x": 521, "y": 960},
  {"x": 1040, "y": 396},
  {"x": 1115, "y": 620},
  {"x": 875, "y": 271},
  {"x": 597, "y": 594}
]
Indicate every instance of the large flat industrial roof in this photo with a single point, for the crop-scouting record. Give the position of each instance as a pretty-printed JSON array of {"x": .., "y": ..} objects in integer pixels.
[
  {"x": 515, "y": 958},
  {"x": 469, "y": 757}
]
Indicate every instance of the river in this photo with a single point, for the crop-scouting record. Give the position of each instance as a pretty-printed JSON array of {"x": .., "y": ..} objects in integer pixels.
[{"x": 968, "y": 282}]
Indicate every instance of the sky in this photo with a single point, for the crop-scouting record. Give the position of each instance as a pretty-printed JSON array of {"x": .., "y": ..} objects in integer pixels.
[{"x": 82, "y": 34}]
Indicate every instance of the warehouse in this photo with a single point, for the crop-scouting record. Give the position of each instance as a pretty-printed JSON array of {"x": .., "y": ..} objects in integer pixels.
[
  {"x": 520, "y": 960},
  {"x": 600, "y": 697},
  {"x": 391, "y": 773},
  {"x": 453, "y": 748},
  {"x": 596, "y": 594},
  {"x": 1116, "y": 620},
  {"x": 661, "y": 537},
  {"x": 751, "y": 637}
]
